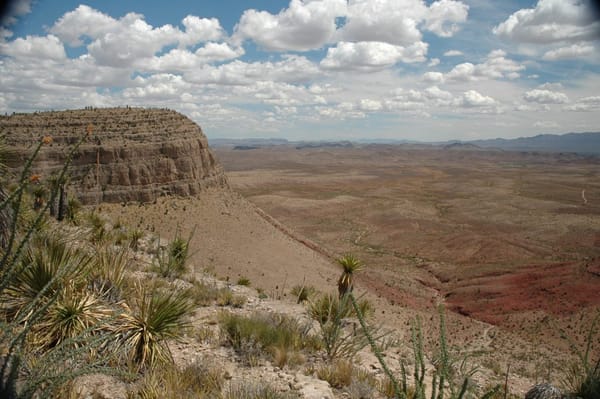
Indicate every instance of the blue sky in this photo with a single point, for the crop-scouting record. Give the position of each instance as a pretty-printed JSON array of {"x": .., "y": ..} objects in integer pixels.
[{"x": 320, "y": 69}]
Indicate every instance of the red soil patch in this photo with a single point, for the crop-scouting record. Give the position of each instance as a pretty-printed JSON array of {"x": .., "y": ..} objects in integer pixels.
[{"x": 559, "y": 289}]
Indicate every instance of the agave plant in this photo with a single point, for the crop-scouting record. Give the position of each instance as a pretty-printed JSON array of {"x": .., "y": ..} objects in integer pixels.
[
  {"x": 350, "y": 265},
  {"x": 48, "y": 263},
  {"x": 157, "y": 316}
]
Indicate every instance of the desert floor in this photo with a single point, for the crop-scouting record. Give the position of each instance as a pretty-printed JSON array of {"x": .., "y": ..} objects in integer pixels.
[{"x": 510, "y": 241}]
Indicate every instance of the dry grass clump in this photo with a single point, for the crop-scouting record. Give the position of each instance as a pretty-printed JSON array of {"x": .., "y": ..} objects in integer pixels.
[
  {"x": 262, "y": 334},
  {"x": 343, "y": 374},
  {"x": 195, "y": 381},
  {"x": 303, "y": 293},
  {"x": 226, "y": 297},
  {"x": 256, "y": 390}
]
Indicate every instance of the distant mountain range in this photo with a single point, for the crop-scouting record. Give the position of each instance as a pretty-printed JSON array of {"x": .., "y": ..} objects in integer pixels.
[{"x": 582, "y": 143}]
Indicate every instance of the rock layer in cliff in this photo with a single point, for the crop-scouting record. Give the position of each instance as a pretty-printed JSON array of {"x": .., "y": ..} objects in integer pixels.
[{"x": 130, "y": 154}]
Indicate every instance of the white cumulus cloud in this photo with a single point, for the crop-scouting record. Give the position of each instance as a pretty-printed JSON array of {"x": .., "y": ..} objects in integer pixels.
[
  {"x": 121, "y": 42},
  {"x": 368, "y": 56},
  {"x": 585, "y": 104},
  {"x": 302, "y": 26},
  {"x": 444, "y": 16},
  {"x": 398, "y": 21},
  {"x": 542, "y": 96},
  {"x": 44, "y": 47},
  {"x": 473, "y": 98},
  {"x": 575, "y": 50},
  {"x": 551, "y": 21},
  {"x": 496, "y": 66},
  {"x": 453, "y": 53},
  {"x": 433, "y": 77}
]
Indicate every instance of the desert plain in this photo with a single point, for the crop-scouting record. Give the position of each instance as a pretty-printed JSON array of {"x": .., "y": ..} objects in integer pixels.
[{"x": 507, "y": 242}]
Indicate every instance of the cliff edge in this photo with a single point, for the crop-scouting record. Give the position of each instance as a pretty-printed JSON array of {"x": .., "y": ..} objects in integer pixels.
[{"x": 130, "y": 154}]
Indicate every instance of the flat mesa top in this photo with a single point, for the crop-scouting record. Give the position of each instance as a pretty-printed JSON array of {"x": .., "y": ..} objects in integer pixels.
[{"x": 116, "y": 125}]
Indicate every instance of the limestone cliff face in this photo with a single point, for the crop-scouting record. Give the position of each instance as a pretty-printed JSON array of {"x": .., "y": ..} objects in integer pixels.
[{"x": 130, "y": 154}]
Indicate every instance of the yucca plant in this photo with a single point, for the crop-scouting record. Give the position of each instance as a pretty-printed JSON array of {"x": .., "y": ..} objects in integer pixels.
[
  {"x": 48, "y": 264},
  {"x": 76, "y": 312},
  {"x": 108, "y": 271},
  {"x": 155, "y": 317},
  {"x": 73, "y": 210},
  {"x": 171, "y": 261},
  {"x": 350, "y": 265}
]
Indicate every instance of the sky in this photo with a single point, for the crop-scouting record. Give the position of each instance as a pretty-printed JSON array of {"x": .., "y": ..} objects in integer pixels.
[{"x": 314, "y": 69}]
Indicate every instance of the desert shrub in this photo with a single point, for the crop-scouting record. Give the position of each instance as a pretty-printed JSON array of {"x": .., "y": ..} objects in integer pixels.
[
  {"x": 446, "y": 378},
  {"x": 156, "y": 316},
  {"x": 303, "y": 293},
  {"x": 226, "y": 297},
  {"x": 202, "y": 294},
  {"x": 338, "y": 373},
  {"x": 135, "y": 236},
  {"x": 256, "y": 390},
  {"x": 261, "y": 334},
  {"x": 100, "y": 233},
  {"x": 245, "y": 281},
  {"x": 196, "y": 380},
  {"x": 171, "y": 261},
  {"x": 339, "y": 340}
]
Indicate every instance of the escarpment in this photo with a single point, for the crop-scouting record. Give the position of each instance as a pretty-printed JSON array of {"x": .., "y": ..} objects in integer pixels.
[{"x": 128, "y": 154}]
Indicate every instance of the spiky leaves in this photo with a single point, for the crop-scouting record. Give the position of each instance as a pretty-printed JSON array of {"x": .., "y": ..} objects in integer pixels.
[
  {"x": 157, "y": 316},
  {"x": 350, "y": 265},
  {"x": 47, "y": 265},
  {"x": 75, "y": 313},
  {"x": 171, "y": 260}
]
